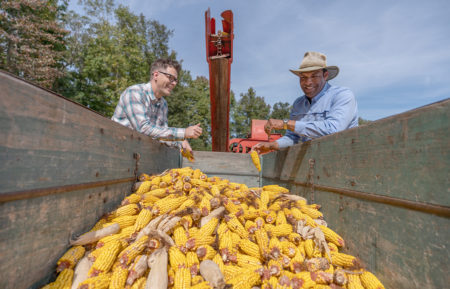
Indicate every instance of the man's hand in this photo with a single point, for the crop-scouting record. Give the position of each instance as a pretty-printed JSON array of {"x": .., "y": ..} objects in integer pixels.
[
  {"x": 264, "y": 147},
  {"x": 193, "y": 131},
  {"x": 273, "y": 124}
]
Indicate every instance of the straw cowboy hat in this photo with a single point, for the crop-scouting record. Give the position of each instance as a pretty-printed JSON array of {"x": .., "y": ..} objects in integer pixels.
[{"x": 315, "y": 61}]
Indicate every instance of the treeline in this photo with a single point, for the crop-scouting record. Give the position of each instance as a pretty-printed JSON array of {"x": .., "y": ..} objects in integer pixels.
[{"x": 92, "y": 58}]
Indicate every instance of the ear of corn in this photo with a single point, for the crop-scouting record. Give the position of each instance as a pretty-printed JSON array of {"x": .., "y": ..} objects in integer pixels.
[
  {"x": 70, "y": 258},
  {"x": 370, "y": 281},
  {"x": 255, "y": 159},
  {"x": 106, "y": 258}
]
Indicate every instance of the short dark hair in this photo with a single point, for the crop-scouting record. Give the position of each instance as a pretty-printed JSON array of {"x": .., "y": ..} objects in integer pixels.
[{"x": 164, "y": 63}]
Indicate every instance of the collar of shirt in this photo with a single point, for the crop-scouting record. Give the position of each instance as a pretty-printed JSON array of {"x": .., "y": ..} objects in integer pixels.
[
  {"x": 321, "y": 93},
  {"x": 149, "y": 92}
]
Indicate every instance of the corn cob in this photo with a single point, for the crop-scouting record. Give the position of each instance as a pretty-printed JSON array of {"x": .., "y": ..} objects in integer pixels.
[
  {"x": 139, "y": 283},
  {"x": 201, "y": 285},
  {"x": 105, "y": 259},
  {"x": 271, "y": 217},
  {"x": 196, "y": 174},
  {"x": 98, "y": 282},
  {"x": 143, "y": 188},
  {"x": 123, "y": 221},
  {"x": 246, "y": 261},
  {"x": 137, "y": 269},
  {"x": 354, "y": 282},
  {"x": 180, "y": 237},
  {"x": 182, "y": 279},
  {"x": 176, "y": 258},
  {"x": 192, "y": 263},
  {"x": 344, "y": 260},
  {"x": 230, "y": 271},
  {"x": 263, "y": 241},
  {"x": 255, "y": 160},
  {"x": 305, "y": 278},
  {"x": 127, "y": 210},
  {"x": 370, "y": 281},
  {"x": 70, "y": 258},
  {"x": 245, "y": 280},
  {"x": 235, "y": 225},
  {"x": 219, "y": 261},
  {"x": 275, "y": 188},
  {"x": 280, "y": 230},
  {"x": 142, "y": 219},
  {"x": 186, "y": 204},
  {"x": 195, "y": 242},
  {"x": 332, "y": 236},
  {"x": 281, "y": 218},
  {"x": 209, "y": 228},
  {"x": 118, "y": 277},
  {"x": 313, "y": 213},
  {"x": 131, "y": 199},
  {"x": 205, "y": 252},
  {"x": 196, "y": 280},
  {"x": 167, "y": 204},
  {"x": 64, "y": 279},
  {"x": 132, "y": 251},
  {"x": 250, "y": 248}
]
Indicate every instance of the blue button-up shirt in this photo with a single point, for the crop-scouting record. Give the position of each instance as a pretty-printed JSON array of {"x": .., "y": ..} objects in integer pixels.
[{"x": 333, "y": 109}]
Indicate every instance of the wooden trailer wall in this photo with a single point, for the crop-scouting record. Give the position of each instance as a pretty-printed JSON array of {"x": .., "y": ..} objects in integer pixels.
[
  {"x": 62, "y": 166},
  {"x": 384, "y": 187}
]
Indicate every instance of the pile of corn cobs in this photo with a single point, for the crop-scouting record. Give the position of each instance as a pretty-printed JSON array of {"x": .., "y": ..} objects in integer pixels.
[{"x": 182, "y": 229}]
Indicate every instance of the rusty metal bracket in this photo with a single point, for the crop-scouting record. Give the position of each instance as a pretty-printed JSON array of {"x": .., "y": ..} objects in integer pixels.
[{"x": 137, "y": 157}]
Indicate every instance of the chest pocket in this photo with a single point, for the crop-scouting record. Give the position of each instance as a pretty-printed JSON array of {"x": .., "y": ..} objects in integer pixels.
[{"x": 312, "y": 116}]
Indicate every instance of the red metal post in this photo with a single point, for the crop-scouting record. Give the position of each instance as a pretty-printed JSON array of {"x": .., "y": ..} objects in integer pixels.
[{"x": 219, "y": 55}]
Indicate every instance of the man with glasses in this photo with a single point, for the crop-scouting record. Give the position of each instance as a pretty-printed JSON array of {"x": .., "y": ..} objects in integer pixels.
[
  {"x": 142, "y": 107},
  {"x": 323, "y": 109}
]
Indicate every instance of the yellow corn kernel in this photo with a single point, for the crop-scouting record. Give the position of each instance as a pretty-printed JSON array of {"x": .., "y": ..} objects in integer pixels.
[
  {"x": 176, "y": 258},
  {"x": 295, "y": 238},
  {"x": 209, "y": 228},
  {"x": 262, "y": 239},
  {"x": 206, "y": 252},
  {"x": 196, "y": 280},
  {"x": 98, "y": 282},
  {"x": 131, "y": 199},
  {"x": 265, "y": 198},
  {"x": 250, "y": 248},
  {"x": 192, "y": 260},
  {"x": 344, "y": 260},
  {"x": 201, "y": 285},
  {"x": 186, "y": 204},
  {"x": 354, "y": 282},
  {"x": 142, "y": 219},
  {"x": 123, "y": 221},
  {"x": 106, "y": 258},
  {"x": 332, "y": 236},
  {"x": 313, "y": 213},
  {"x": 246, "y": 261},
  {"x": 281, "y": 218},
  {"x": 180, "y": 236},
  {"x": 64, "y": 279},
  {"x": 370, "y": 281},
  {"x": 275, "y": 188},
  {"x": 230, "y": 206},
  {"x": 235, "y": 225},
  {"x": 182, "y": 279},
  {"x": 143, "y": 188},
  {"x": 127, "y": 210},
  {"x": 132, "y": 251},
  {"x": 167, "y": 204},
  {"x": 255, "y": 159},
  {"x": 271, "y": 217},
  {"x": 298, "y": 215},
  {"x": 245, "y": 280},
  {"x": 305, "y": 278},
  {"x": 196, "y": 174},
  {"x": 309, "y": 248},
  {"x": 219, "y": 261},
  {"x": 288, "y": 248},
  {"x": 296, "y": 263},
  {"x": 195, "y": 242},
  {"x": 70, "y": 258},
  {"x": 229, "y": 271},
  {"x": 118, "y": 277},
  {"x": 139, "y": 283},
  {"x": 280, "y": 230}
]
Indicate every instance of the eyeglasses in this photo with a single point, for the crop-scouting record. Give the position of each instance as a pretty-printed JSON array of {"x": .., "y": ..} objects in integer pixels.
[{"x": 169, "y": 76}]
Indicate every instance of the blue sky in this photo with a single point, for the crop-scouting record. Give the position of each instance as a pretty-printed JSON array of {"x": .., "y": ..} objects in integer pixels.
[{"x": 394, "y": 55}]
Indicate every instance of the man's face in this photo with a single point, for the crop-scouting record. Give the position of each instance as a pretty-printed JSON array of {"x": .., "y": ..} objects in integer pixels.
[
  {"x": 165, "y": 79},
  {"x": 312, "y": 82}
]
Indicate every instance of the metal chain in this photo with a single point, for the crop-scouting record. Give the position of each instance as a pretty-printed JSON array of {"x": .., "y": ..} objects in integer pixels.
[
  {"x": 218, "y": 43},
  {"x": 312, "y": 163}
]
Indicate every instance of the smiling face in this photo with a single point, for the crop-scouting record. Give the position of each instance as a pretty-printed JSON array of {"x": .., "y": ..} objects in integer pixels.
[
  {"x": 312, "y": 82},
  {"x": 164, "y": 81}
]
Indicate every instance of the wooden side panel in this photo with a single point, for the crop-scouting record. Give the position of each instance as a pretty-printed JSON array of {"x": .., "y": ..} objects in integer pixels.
[
  {"x": 237, "y": 168},
  {"x": 62, "y": 150},
  {"x": 404, "y": 158}
]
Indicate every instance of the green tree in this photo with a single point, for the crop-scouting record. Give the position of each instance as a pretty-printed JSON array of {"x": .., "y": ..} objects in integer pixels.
[
  {"x": 362, "y": 121},
  {"x": 189, "y": 104},
  {"x": 281, "y": 110},
  {"x": 32, "y": 39},
  {"x": 247, "y": 108},
  {"x": 110, "y": 49}
]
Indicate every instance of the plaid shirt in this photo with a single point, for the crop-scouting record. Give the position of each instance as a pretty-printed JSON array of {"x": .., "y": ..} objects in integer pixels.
[{"x": 139, "y": 109}]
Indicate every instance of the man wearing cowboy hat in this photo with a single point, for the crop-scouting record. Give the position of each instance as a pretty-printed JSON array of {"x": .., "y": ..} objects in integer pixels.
[{"x": 323, "y": 109}]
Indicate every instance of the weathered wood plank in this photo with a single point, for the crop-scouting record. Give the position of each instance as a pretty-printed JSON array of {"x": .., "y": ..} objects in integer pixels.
[
  {"x": 48, "y": 142},
  {"x": 235, "y": 167},
  {"x": 406, "y": 157}
]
